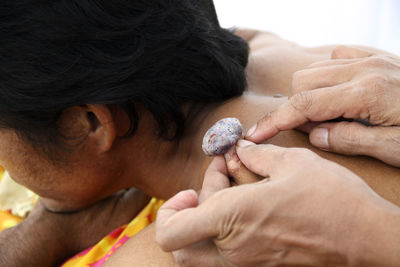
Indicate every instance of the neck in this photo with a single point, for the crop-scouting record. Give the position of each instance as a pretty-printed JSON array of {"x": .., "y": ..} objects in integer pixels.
[{"x": 165, "y": 168}]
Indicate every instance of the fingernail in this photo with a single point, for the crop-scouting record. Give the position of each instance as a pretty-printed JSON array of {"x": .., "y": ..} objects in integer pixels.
[
  {"x": 319, "y": 138},
  {"x": 244, "y": 143},
  {"x": 252, "y": 129}
]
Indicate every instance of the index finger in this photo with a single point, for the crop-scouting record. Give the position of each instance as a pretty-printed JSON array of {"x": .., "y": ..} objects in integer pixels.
[
  {"x": 317, "y": 105},
  {"x": 270, "y": 161},
  {"x": 215, "y": 178}
]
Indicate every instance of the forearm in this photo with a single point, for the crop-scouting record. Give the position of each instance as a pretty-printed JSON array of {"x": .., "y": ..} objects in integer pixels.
[{"x": 29, "y": 244}]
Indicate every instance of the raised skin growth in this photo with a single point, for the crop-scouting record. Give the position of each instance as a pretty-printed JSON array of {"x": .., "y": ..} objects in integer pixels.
[{"x": 222, "y": 136}]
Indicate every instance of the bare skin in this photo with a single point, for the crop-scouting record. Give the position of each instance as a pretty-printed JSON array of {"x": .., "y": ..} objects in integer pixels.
[
  {"x": 307, "y": 211},
  {"x": 47, "y": 238},
  {"x": 272, "y": 64},
  {"x": 107, "y": 161},
  {"x": 357, "y": 83}
]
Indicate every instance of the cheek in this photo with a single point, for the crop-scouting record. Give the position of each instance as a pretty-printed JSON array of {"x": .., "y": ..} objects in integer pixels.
[
  {"x": 30, "y": 173},
  {"x": 65, "y": 191},
  {"x": 66, "y": 188},
  {"x": 72, "y": 185},
  {"x": 25, "y": 166},
  {"x": 14, "y": 161}
]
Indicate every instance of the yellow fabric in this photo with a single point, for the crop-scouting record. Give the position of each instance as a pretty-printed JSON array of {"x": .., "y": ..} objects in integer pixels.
[
  {"x": 15, "y": 198},
  {"x": 7, "y": 220},
  {"x": 99, "y": 253}
]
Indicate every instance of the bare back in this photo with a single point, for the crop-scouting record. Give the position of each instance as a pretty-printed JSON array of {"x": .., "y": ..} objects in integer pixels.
[{"x": 272, "y": 63}]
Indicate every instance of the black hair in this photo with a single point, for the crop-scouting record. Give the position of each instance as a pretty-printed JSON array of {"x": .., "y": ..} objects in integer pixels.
[{"x": 56, "y": 54}]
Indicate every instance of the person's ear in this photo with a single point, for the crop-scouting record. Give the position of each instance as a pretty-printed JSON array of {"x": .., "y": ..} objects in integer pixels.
[
  {"x": 93, "y": 123},
  {"x": 102, "y": 126}
]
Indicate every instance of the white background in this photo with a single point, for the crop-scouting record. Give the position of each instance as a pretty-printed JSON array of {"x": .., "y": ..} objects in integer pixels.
[{"x": 319, "y": 22}]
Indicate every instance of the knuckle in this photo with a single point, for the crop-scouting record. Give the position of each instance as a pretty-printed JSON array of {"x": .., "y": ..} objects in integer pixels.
[
  {"x": 392, "y": 136},
  {"x": 349, "y": 137},
  {"x": 375, "y": 87},
  {"x": 301, "y": 101},
  {"x": 264, "y": 120},
  {"x": 298, "y": 81},
  {"x": 379, "y": 82},
  {"x": 181, "y": 258},
  {"x": 375, "y": 62},
  {"x": 388, "y": 150},
  {"x": 338, "y": 51},
  {"x": 161, "y": 239},
  {"x": 233, "y": 168},
  {"x": 297, "y": 154}
]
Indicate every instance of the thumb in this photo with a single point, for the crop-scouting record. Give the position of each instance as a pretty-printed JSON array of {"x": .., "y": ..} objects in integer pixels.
[
  {"x": 237, "y": 170},
  {"x": 215, "y": 178},
  {"x": 180, "y": 222},
  {"x": 203, "y": 253},
  {"x": 263, "y": 160},
  {"x": 353, "y": 138},
  {"x": 347, "y": 52}
]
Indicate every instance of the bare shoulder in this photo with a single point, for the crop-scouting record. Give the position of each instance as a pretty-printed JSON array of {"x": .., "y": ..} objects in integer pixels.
[
  {"x": 273, "y": 60},
  {"x": 259, "y": 39},
  {"x": 382, "y": 178},
  {"x": 141, "y": 250},
  {"x": 249, "y": 108}
]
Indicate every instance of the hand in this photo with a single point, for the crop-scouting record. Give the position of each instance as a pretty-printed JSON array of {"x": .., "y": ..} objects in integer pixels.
[
  {"x": 354, "y": 84},
  {"x": 307, "y": 211},
  {"x": 46, "y": 238}
]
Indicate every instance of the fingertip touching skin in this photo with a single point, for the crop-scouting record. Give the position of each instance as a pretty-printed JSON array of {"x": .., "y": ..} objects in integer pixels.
[
  {"x": 297, "y": 200},
  {"x": 285, "y": 117},
  {"x": 215, "y": 178},
  {"x": 220, "y": 139},
  {"x": 356, "y": 85}
]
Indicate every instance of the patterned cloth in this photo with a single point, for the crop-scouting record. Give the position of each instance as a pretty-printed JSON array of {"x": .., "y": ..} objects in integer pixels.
[
  {"x": 7, "y": 219},
  {"x": 98, "y": 254}
]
